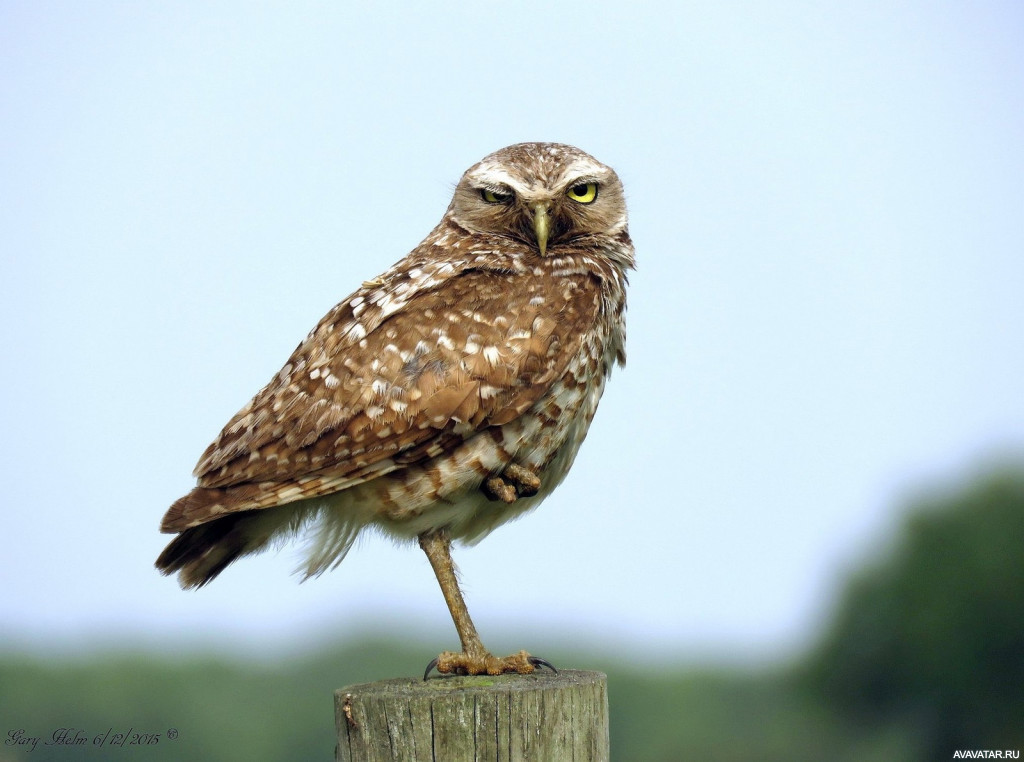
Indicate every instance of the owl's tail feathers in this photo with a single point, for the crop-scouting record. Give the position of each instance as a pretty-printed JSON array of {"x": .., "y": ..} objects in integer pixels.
[{"x": 199, "y": 553}]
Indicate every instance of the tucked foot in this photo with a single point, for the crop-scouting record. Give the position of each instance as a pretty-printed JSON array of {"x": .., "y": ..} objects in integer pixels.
[
  {"x": 515, "y": 481},
  {"x": 526, "y": 482},
  {"x": 497, "y": 488},
  {"x": 485, "y": 664}
]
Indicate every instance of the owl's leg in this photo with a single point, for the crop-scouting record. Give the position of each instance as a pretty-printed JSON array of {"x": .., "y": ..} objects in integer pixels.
[
  {"x": 437, "y": 545},
  {"x": 474, "y": 659},
  {"x": 515, "y": 482}
]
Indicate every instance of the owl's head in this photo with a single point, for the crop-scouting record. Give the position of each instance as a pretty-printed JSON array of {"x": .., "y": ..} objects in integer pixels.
[{"x": 543, "y": 194}]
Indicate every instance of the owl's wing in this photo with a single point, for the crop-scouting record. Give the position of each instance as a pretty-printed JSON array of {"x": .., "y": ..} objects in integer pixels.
[{"x": 386, "y": 380}]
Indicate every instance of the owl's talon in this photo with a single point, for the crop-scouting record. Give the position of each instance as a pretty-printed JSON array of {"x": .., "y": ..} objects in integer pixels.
[
  {"x": 426, "y": 672},
  {"x": 539, "y": 662}
]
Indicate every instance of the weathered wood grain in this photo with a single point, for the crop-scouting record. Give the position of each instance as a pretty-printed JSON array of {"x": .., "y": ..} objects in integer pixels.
[{"x": 542, "y": 716}]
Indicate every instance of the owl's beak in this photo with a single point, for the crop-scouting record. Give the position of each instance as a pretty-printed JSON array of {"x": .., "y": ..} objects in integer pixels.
[{"x": 541, "y": 226}]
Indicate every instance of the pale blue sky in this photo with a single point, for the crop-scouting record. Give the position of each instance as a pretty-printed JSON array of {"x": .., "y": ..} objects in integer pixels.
[{"x": 828, "y": 207}]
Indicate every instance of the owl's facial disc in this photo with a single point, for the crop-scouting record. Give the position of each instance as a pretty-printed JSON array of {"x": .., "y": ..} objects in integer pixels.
[{"x": 543, "y": 195}]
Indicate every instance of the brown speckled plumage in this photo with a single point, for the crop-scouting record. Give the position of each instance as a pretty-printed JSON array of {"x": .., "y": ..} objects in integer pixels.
[{"x": 413, "y": 403}]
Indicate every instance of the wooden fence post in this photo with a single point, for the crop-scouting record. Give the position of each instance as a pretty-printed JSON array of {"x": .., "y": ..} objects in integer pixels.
[{"x": 542, "y": 716}]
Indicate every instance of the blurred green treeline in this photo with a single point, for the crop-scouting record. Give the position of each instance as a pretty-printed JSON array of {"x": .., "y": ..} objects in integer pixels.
[{"x": 923, "y": 656}]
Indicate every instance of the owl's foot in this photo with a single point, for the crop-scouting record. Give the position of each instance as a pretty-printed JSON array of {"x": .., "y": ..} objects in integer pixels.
[
  {"x": 515, "y": 482},
  {"x": 450, "y": 663}
]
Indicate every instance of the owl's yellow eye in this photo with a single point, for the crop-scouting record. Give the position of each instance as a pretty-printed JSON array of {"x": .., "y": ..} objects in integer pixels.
[
  {"x": 585, "y": 193},
  {"x": 495, "y": 197}
]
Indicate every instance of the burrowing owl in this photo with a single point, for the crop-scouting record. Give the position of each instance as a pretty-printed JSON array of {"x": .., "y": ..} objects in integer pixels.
[{"x": 443, "y": 398}]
